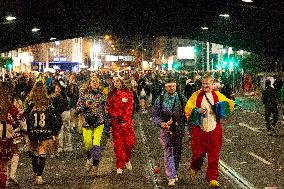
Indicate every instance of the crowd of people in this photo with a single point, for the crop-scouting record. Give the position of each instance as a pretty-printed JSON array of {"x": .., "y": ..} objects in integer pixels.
[{"x": 43, "y": 111}]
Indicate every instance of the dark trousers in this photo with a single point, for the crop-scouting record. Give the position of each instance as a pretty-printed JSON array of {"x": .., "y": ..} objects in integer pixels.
[{"x": 268, "y": 112}]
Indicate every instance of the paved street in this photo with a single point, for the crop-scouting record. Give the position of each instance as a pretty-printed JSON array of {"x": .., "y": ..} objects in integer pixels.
[{"x": 250, "y": 158}]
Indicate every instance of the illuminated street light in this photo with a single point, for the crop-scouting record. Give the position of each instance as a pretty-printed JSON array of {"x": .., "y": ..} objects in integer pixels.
[
  {"x": 204, "y": 28},
  {"x": 107, "y": 37},
  {"x": 10, "y": 18},
  {"x": 224, "y": 15},
  {"x": 248, "y": 1},
  {"x": 35, "y": 29},
  {"x": 97, "y": 48},
  {"x": 112, "y": 46},
  {"x": 52, "y": 38}
]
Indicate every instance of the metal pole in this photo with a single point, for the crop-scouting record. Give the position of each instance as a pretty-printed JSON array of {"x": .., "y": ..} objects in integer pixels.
[{"x": 208, "y": 67}]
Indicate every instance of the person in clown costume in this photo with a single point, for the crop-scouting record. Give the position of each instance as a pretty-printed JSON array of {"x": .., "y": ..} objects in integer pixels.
[
  {"x": 204, "y": 109},
  {"x": 120, "y": 109}
]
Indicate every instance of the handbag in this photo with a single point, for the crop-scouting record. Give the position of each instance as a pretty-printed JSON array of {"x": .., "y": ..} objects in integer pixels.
[
  {"x": 5, "y": 143},
  {"x": 220, "y": 109}
]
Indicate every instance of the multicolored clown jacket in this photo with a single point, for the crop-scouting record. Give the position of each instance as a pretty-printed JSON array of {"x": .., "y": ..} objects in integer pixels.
[
  {"x": 120, "y": 109},
  {"x": 222, "y": 108},
  {"x": 93, "y": 105}
]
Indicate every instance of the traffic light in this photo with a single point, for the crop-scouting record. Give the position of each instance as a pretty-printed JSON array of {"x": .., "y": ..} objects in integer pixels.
[
  {"x": 9, "y": 63},
  {"x": 176, "y": 66},
  {"x": 164, "y": 66}
]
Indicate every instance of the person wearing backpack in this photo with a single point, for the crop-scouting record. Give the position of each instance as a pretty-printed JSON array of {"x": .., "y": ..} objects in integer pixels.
[
  {"x": 204, "y": 109},
  {"x": 167, "y": 114},
  {"x": 41, "y": 122}
]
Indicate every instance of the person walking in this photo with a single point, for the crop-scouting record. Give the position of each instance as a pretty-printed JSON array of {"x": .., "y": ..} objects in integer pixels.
[
  {"x": 202, "y": 112},
  {"x": 72, "y": 92},
  {"x": 9, "y": 122},
  {"x": 41, "y": 127},
  {"x": 120, "y": 108},
  {"x": 269, "y": 99},
  {"x": 91, "y": 105},
  {"x": 167, "y": 113}
]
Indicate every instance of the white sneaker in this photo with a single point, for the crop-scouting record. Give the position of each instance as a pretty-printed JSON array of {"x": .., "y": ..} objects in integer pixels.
[
  {"x": 128, "y": 166},
  {"x": 39, "y": 180},
  {"x": 89, "y": 164},
  {"x": 119, "y": 171},
  {"x": 171, "y": 182}
]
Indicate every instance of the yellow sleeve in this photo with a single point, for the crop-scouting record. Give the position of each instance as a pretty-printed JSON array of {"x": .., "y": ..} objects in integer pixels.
[
  {"x": 222, "y": 97},
  {"x": 191, "y": 103}
]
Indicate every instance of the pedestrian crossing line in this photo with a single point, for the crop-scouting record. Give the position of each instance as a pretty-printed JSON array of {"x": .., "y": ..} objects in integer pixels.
[
  {"x": 251, "y": 128},
  {"x": 259, "y": 158}
]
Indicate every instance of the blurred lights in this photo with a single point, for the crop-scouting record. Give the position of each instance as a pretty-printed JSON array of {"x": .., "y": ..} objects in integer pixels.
[
  {"x": 35, "y": 29},
  {"x": 107, "y": 37},
  {"x": 97, "y": 48},
  {"x": 224, "y": 15},
  {"x": 204, "y": 28},
  {"x": 248, "y": 1},
  {"x": 112, "y": 46},
  {"x": 52, "y": 38},
  {"x": 10, "y": 18}
]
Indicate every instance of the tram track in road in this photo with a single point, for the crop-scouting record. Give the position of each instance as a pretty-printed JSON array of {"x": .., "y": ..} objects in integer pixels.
[{"x": 150, "y": 161}]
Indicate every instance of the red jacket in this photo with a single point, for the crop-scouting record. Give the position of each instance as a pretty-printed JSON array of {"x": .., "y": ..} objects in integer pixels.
[{"x": 120, "y": 104}]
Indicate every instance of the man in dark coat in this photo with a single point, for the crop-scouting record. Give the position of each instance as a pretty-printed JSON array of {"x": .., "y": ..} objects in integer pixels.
[{"x": 269, "y": 99}]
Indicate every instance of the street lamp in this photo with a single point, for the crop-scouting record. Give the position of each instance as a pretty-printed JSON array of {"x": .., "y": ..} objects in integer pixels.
[
  {"x": 10, "y": 18},
  {"x": 96, "y": 49}
]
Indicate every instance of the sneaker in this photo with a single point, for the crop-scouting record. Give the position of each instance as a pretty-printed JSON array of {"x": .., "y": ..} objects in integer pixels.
[
  {"x": 119, "y": 171},
  {"x": 193, "y": 175},
  {"x": 171, "y": 182},
  {"x": 214, "y": 184},
  {"x": 89, "y": 164},
  {"x": 94, "y": 171},
  {"x": 176, "y": 178},
  {"x": 39, "y": 180},
  {"x": 128, "y": 166}
]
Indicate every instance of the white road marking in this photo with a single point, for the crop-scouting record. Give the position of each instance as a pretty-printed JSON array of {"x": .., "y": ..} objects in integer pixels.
[
  {"x": 227, "y": 140},
  {"x": 236, "y": 177},
  {"x": 249, "y": 127},
  {"x": 259, "y": 158}
]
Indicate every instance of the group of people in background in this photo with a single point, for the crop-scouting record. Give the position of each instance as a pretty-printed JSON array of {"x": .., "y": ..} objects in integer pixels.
[{"x": 44, "y": 110}]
